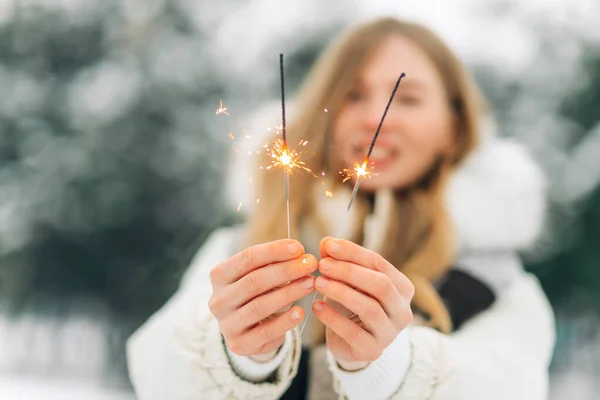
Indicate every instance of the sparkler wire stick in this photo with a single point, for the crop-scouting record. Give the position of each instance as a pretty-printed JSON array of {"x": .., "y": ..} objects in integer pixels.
[
  {"x": 286, "y": 179},
  {"x": 360, "y": 172}
]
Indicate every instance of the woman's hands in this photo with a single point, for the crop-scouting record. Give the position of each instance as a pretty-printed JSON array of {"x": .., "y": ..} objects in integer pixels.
[
  {"x": 252, "y": 286},
  {"x": 366, "y": 305}
]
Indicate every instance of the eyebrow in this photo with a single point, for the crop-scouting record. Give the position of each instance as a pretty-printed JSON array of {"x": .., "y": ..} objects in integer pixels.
[
  {"x": 412, "y": 83},
  {"x": 406, "y": 83}
]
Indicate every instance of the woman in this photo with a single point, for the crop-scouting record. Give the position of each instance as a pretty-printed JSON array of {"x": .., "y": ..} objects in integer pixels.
[{"x": 441, "y": 220}]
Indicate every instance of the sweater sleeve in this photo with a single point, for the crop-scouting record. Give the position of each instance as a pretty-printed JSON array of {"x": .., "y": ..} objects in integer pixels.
[
  {"x": 503, "y": 353},
  {"x": 179, "y": 352},
  {"x": 255, "y": 371},
  {"x": 381, "y": 378}
]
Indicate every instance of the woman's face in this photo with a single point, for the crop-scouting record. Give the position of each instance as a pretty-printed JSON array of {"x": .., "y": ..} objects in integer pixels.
[{"x": 419, "y": 124}]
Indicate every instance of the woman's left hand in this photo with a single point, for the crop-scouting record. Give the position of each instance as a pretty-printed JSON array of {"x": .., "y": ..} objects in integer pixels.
[{"x": 366, "y": 304}]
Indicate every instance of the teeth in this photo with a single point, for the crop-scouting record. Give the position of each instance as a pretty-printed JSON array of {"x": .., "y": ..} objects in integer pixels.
[{"x": 381, "y": 153}]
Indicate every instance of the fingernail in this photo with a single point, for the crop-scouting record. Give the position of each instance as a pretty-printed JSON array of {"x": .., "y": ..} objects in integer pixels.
[
  {"x": 333, "y": 246},
  {"x": 293, "y": 248},
  {"x": 295, "y": 314},
  {"x": 308, "y": 283},
  {"x": 318, "y": 306},
  {"x": 305, "y": 259},
  {"x": 321, "y": 282}
]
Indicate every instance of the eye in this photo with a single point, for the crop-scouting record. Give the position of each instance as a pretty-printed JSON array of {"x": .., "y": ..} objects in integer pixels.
[
  {"x": 354, "y": 95},
  {"x": 409, "y": 99}
]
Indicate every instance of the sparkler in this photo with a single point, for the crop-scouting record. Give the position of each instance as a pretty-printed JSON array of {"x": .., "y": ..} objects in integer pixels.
[
  {"x": 282, "y": 156},
  {"x": 360, "y": 172},
  {"x": 285, "y": 157}
]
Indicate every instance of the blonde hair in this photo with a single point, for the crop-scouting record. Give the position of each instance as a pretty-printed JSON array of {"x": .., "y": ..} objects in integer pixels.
[{"x": 421, "y": 243}]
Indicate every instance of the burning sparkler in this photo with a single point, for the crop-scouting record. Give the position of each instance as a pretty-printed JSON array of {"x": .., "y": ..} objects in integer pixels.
[
  {"x": 361, "y": 171},
  {"x": 285, "y": 157},
  {"x": 282, "y": 155}
]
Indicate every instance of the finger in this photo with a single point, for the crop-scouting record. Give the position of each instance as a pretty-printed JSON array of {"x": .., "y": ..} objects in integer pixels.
[
  {"x": 257, "y": 339},
  {"x": 373, "y": 283},
  {"x": 345, "y": 250},
  {"x": 352, "y": 333},
  {"x": 267, "y": 278},
  {"x": 367, "y": 308},
  {"x": 254, "y": 257},
  {"x": 266, "y": 305}
]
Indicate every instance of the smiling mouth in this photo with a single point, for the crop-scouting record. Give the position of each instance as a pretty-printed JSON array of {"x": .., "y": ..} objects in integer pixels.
[{"x": 379, "y": 155}]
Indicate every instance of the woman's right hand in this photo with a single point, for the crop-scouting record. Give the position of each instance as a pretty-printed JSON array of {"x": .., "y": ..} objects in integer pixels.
[{"x": 250, "y": 287}]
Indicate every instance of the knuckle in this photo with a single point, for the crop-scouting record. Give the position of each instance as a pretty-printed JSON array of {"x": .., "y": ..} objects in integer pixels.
[
  {"x": 410, "y": 288},
  {"x": 390, "y": 335},
  {"x": 247, "y": 256},
  {"x": 287, "y": 273},
  {"x": 381, "y": 283},
  {"x": 258, "y": 309},
  {"x": 378, "y": 261},
  {"x": 371, "y": 311},
  {"x": 354, "y": 334},
  {"x": 374, "y": 354},
  {"x": 214, "y": 305},
  {"x": 236, "y": 347},
  {"x": 291, "y": 293},
  {"x": 252, "y": 284},
  {"x": 332, "y": 319},
  {"x": 407, "y": 316},
  {"x": 265, "y": 332},
  {"x": 215, "y": 274},
  {"x": 282, "y": 327},
  {"x": 226, "y": 329}
]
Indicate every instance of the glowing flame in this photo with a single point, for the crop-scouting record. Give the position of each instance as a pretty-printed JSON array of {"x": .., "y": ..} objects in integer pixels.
[
  {"x": 358, "y": 172},
  {"x": 285, "y": 158}
]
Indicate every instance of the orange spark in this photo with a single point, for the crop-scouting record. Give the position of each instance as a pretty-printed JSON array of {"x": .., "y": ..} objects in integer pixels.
[
  {"x": 221, "y": 109},
  {"x": 238, "y": 208},
  {"x": 230, "y": 136},
  {"x": 328, "y": 193}
]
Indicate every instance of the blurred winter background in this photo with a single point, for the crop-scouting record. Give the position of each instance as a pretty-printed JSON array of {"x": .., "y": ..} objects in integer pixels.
[{"x": 112, "y": 159}]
